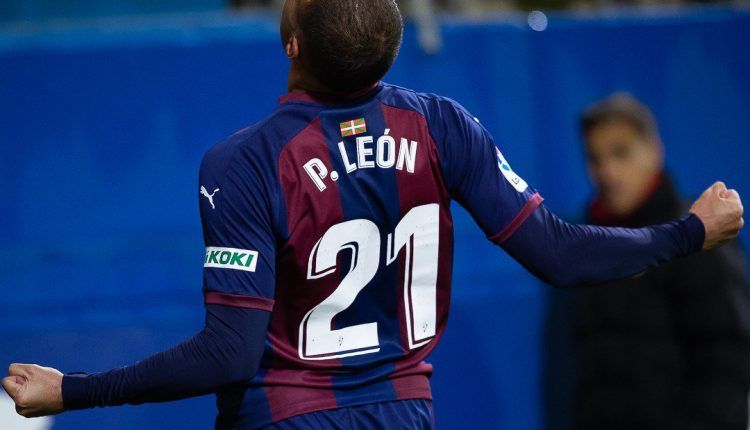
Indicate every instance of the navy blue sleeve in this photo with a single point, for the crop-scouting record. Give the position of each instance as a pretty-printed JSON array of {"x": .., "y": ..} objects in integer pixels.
[
  {"x": 567, "y": 255},
  {"x": 477, "y": 175},
  {"x": 226, "y": 351},
  {"x": 237, "y": 205},
  {"x": 511, "y": 214}
]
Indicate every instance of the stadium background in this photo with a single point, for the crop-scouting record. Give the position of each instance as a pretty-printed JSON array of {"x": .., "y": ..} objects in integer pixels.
[{"x": 105, "y": 114}]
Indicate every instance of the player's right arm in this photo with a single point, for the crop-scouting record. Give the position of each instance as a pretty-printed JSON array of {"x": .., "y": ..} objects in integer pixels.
[
  {"x": 238, "y": 289},
  {"x": 512, "y": 215}
]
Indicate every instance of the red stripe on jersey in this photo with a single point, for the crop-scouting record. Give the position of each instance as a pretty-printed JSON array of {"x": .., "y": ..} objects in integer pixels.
[
  {"x": 424, "y": 186},
  {"x": 292, "y": 392},
  {"x": 291, "y": 381},
  {"x": 518, "y": 220},
  {"x": 414, "y": 382},
  {"x": 238, "y": 301}
]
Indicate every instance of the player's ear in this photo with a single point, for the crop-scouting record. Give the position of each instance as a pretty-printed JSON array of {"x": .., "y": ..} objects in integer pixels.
[{"x": 292, "y": 48}]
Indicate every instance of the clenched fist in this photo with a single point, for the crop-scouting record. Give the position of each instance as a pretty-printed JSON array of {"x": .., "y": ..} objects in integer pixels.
[
  {"x": 721, "y": 211},
  {"x": 36, "y": 390}
]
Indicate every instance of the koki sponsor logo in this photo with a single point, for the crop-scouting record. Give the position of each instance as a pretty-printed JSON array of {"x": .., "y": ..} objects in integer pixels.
[
  {"x": 231, "y": 258},
  {"x": 353, "y": 127}
]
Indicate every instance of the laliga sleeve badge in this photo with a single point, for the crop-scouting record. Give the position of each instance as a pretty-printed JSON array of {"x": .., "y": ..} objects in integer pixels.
[{"x": 519, "y": 184}]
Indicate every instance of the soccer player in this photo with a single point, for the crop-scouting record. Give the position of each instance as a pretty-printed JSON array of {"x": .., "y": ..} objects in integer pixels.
[{"x": 329, "y": 244}]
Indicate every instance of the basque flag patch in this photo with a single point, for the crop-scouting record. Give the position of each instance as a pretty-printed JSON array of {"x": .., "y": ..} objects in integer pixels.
[{"x": 353, "y": 127}]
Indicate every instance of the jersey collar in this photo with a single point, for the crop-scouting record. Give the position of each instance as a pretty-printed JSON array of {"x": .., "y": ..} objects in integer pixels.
[{"x": 330, "y": 99}]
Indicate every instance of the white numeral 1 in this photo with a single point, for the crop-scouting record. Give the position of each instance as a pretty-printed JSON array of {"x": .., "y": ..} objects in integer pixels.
[{"x": 418, "y": 232}]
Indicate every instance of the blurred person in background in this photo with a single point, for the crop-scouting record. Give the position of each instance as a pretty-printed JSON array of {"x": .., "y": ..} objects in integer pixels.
[{"x": 669, "y": 349}]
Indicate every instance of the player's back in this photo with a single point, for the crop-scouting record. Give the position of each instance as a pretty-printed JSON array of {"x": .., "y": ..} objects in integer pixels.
[{"x": 346, "y": 207}]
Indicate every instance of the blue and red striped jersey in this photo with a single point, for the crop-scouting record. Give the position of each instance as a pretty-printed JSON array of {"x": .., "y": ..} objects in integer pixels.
[{"x": 335, "y": 217}]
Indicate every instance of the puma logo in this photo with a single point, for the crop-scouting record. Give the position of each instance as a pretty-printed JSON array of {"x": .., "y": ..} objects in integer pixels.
[{"x": 210, "y": 197}]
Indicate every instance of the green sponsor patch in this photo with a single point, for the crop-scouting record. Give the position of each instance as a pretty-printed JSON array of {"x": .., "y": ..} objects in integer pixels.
[{"x": 231, "y": 258}]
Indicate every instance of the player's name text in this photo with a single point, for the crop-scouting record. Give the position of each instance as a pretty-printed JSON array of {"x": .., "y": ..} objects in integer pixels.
[{"x": 386, "y": 152}]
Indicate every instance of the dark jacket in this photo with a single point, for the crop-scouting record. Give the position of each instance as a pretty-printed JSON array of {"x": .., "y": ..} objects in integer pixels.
[{"x": 667, "y": 350}]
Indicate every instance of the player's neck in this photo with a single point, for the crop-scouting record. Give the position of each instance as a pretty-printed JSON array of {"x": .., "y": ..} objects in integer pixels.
[{"x": 300, "y": 81}]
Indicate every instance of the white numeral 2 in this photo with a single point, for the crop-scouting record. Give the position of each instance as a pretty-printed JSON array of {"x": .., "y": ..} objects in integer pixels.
[{"x": 418, "y": 233}]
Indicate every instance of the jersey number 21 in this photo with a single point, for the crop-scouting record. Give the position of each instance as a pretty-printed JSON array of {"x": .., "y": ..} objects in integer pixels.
[{"x": 418, "y": 234}]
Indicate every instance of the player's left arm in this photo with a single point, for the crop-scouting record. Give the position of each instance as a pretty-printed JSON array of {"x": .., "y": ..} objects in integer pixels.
[
  {"x": 238, "y": 290},
  {"x": 569, "y": 255},
  {"x": 511, "y": 213}
]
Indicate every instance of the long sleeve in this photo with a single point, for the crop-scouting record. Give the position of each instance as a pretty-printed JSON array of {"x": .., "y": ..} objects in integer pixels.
[
  {"x": 227, "y": 350},
  {"x": 237, "y": 212},
  {"x": 567, "y": 255},
  {"x": 511, "y": 214}
]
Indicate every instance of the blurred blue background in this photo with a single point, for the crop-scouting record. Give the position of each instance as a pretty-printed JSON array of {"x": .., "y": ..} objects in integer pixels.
[{"x": 103, "y": 122}]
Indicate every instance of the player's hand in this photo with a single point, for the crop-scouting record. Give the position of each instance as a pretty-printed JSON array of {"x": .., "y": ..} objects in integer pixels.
[
  {"x": 36, "y": 390},
  {"x": 721, "y": 211}
]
